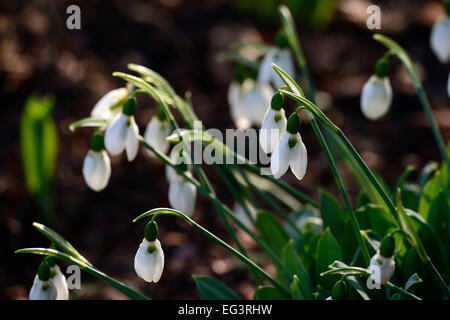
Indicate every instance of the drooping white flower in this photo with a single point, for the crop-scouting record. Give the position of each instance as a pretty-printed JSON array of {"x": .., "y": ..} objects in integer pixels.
[
  {"x": 182, "y": 194},
  {"x": 43, "y": 290},
  {"x": 440, "y": 39},
  {"x": 60, "y": 282},
  {"x": 248, "y": 102},
  {"x": 156, "y": 133},
  {"x": 273, "y": 126},
  {"x": 102, "y": 108},
  {"x": 149, "y": 260},
  {"x": 384, "y": 267},
  {"x": 290, "y": 152},
  {"x": 96, "y": 164},
  {"x": 376, "y": 97},
  {"x": 123, "y": 132},
  {"x": 282, "y": 57}
]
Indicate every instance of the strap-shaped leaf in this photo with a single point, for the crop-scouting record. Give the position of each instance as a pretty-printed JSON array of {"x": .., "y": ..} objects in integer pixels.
[{"x": 213, "y": 289}]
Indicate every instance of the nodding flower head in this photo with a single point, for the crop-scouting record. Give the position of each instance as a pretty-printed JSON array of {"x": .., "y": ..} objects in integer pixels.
[
  {"x": 274, "y": 125},
  {"x": 376, "y": 96},
  {"x": 440, "y": 37},
  {"x": 96, "y": 165},
  {"x": 108, "y": 105},
  {"x": 248, "y": 102},
  {"x": 157, "y": 131},
  {"x": 290, "y": 151},
  {"x": 149, "y": 259},
  {"x": 43, "y": 286},
  {"x": 383, "y": 260},
  {"x": 123, "y": 132}
]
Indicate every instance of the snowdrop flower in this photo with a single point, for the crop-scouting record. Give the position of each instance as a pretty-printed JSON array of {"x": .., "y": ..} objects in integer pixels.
[
  {"x": 376, "y": 96},
  {"x": 274, "y": 125},
  {"x": 248, "y": 102},
  {"x": 43, "y": 287},
  {"x": 440, "y": 37},
  {"x": 157, "y": 131},
  {"x": 182, "y": 193},
  {"x": 290, "y": 151},
  {"x": 58, "y": 278},
  {"x": 149, "y": 259},
  {"x": 282, "y": 57},
  {"x": 383, "y": 262},
  {"x": 96, "y": 165},
  {"x": 102, "y": 108},
  {"x": 123, "y": 132}
]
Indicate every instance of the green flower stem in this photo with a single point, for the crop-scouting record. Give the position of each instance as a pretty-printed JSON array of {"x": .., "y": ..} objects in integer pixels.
[
  {"x": 402, "y": 55},
  {"x": 220, "y": 242},
  {"x": 88, "y": 268},
  {"x": 216, "y": 201}
]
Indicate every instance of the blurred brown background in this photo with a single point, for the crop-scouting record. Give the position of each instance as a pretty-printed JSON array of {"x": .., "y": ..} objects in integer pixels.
[{"x": 181, "y": 39}]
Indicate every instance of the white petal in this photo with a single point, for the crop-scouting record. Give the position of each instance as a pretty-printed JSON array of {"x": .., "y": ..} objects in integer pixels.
[
  {"x": 102, "y": 108},
  {"x": 440, "y": 39},
  {"x": 144, "y": 262},
  {"x": 38, "y": 293},
  {"x": 283, "y": 59},
  {"x": 182, "y": 196},
  {"x": 156, "y": 133},
  {"x": 376, "y": 97},
  {"x": 271, "y": 131},
  {"x": 298, "y": 158},
  {"x": 159, "y": 261},
  {"x": 385, "y": 269},
  {"x": 257, "y": 101},
  {"x": 60, "y": 284},
  {"x": 132, "y": 140},
  {"x": 265, "y": 68},
  {"x": 116, "y": 134},
  {"x": 237, "y": 106},
  {"x": 96, "y": 170},
  {"x": 279, "y": 161}
]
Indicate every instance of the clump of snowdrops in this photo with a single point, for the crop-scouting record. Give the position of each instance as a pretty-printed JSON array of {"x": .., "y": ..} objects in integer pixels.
[{"x": 389, "y": 243}]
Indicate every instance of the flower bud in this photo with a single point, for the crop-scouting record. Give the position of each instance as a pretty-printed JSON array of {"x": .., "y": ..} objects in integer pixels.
[
  {"x": 129, "y": 107},
  {"x": 382, "y": 68},
  {"x": 293, "y": 124},
  {"x": 97, "y": 142},
  {"x": 151, "y": 231},
  {"x": 277, "y": 101},
  {"x": 44, "y": 271},
  {"x": 387, "y": 246}
]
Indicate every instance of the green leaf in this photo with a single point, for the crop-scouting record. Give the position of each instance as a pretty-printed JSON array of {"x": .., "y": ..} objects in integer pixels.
[
  {"x": 430, "y": 191},
  {"x": 89, "y": 122},
  {"x": 356, "y": 284},
  {"x": 294, "y": 268},
  {"x": 332, "y": 215},
  {"x": 272, "y": 232},
  {"x": 267, "y": 293},
  {"x": 213, "y": 289},
  {"x": 426, "y": 173},
  {"x": 88, "y": 268},
  {"x": 328, "y": 251},
  {"x": 60, "y": 242},
  {"x": 413, "y": 280},
  {"x": 377, "y": 218},
  {"x": 438, "y": 216}
]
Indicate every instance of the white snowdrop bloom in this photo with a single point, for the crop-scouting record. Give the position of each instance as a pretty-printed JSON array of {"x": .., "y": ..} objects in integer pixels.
[
  {"x": 182, "y": 195},
  {"x": 282, "y": 57},
  {"x": 60, "y": 282},
  {"x": 156, "y": 133},
  {"x": 385, "y": 267},
  {"x": 242, "y": 215},
  {"x": 376, "y": 97},
  {"x": 149, "y": 260},
  {"x": 249, "y": 102},
  {"x": 43, "y": 290},
  {"x": 290, "y": 152},
  {"x": 440, "y": 39},
  {"x": 123, "y": 132},
  {"x": 97, "y": 169},
  {"x": 102, "y": 108},
  {"x": 273, "y": 126}
]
